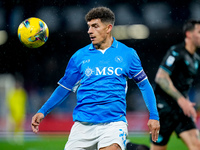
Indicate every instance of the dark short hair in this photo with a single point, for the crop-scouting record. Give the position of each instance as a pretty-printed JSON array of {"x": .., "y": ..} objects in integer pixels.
[
  {"x": 103, "y": 13},
  {"x": 190, "y": 25}
]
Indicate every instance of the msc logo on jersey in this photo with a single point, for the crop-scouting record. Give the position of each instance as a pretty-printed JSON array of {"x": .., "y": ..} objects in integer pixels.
[
  {"x": 88, "y": 72},
  {"x": 104, "y": 71}
]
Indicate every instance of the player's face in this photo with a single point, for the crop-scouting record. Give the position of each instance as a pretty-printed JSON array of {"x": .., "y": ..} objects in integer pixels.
[
  {"x": 98, "y": 32},
  {"x": 196, "y": 36}
]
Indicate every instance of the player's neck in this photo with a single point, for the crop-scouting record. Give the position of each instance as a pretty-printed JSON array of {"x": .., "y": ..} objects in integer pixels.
[
  {"x": 189, "y": 46},
  {"x": 106, "y": 44}
]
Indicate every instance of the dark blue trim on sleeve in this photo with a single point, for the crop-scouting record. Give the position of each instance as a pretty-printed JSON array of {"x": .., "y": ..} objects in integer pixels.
[{"x": 140, "y": 76}]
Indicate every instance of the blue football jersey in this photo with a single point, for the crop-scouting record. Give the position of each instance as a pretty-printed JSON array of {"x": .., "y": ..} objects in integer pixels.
[{"x": 101, "y": 79}]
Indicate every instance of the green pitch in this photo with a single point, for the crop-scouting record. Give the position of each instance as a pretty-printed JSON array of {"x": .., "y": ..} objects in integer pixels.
[
  {"x": 52, "y": 142},
  {"x": 174, "y": 143}
]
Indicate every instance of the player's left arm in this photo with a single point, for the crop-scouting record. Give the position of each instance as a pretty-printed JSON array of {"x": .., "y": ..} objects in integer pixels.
[
  {"x": 150, "y": 101},
  {"x": 137, "y": 73},
  {"x": 164, "y": 81},
  {"x": 149, "y": 98}
]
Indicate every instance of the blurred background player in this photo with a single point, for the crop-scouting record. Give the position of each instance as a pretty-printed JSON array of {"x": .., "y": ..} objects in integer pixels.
[
  {"x": 101, "y": 69},
  {"x": 133, "y": 146},
  {"x": 174, "y": 79},
  {"x": 16, "y": 102}
]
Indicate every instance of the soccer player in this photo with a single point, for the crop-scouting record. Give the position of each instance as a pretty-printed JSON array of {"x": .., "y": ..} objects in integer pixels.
[
  {"x": 174, "y": 79},
  {"x": 100, "y": 71},
  {"x": 16, "y": 102}
]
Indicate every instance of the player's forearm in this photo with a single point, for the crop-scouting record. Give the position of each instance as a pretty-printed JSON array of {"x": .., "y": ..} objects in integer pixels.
[
  {"x": 149, "y": 98},
  {"x": 57, "y": 97},
  {"x": 164, "y": 81},
  {"x": 168, "y": 87}
]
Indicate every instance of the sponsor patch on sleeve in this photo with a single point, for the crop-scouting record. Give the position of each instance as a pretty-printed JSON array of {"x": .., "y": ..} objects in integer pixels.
[{"x": 170, "y": 60}]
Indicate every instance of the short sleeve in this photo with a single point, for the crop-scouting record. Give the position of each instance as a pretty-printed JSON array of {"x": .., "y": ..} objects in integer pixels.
[
  {"x": 72, "y": 75},
  {"x": 170, "y": 59}
]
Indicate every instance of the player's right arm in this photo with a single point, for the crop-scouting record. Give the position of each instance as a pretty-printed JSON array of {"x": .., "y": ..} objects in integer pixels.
[
  {"x": 57, "y": 97},
  {"x": 66, "y": 84},
  {"x": 164, "y": 81}
]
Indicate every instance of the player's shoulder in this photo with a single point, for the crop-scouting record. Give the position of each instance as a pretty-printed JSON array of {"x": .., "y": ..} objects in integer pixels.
[
  {"x": 125, "y": 48},
  {"x": 178, "y": 49},
  {"x": 122, "y": 45},
  {"x": 80, "y": 52},
  {"x": 84, "y": 49},
  {"x": 197, "y": 56}
]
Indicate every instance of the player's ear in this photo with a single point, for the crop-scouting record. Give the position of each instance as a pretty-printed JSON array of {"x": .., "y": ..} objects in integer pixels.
[
  {"x": 188, "y": 34},
  {"x": 109, "y": 28}
]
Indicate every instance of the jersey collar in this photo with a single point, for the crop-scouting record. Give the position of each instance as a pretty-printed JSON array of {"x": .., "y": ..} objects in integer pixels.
[{"x": 114, "y": 44}]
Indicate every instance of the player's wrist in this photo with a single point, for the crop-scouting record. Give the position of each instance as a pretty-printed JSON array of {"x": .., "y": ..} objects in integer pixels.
[
  {"x": 154, "y": 117},
  {"x": 42, "y": 113},
  {"x": 181, "y": 98}
]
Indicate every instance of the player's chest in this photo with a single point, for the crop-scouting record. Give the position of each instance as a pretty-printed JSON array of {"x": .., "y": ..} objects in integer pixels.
[
  {"x": 191, "y": 65},
  {"x": 100, "y": 64}
]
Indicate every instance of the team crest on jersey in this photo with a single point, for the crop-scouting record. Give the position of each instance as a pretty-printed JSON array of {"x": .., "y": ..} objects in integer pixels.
[{"x": 118, "y": 59}]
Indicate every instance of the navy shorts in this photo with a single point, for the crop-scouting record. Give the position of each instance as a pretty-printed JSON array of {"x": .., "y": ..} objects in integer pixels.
[{"x": 172, "y": 119}]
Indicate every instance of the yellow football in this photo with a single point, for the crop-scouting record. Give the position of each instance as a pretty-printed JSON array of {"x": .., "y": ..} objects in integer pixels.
[{"x": 33, "y": 32}]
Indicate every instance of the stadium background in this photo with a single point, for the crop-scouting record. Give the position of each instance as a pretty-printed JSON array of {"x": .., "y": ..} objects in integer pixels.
[{"x": 43, "y": 67}]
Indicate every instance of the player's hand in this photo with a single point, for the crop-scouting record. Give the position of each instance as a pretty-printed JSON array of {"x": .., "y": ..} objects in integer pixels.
[
  {"x": 187, "y": 107},
  {"x": 36, "y": 119},
  {"x": 154, "y": 128}
]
